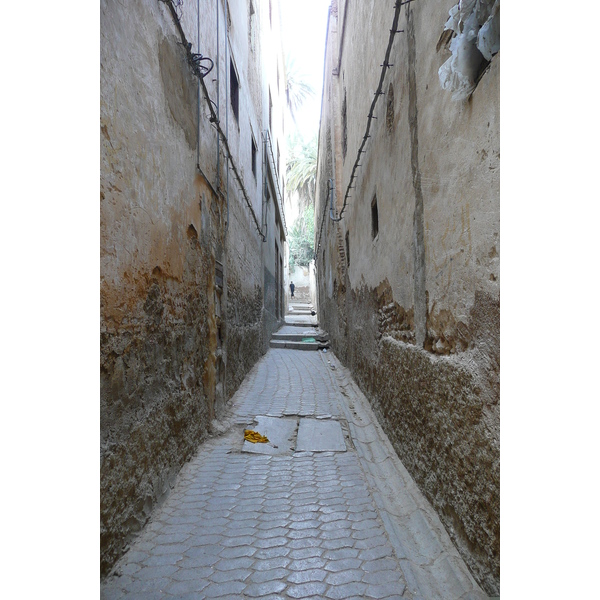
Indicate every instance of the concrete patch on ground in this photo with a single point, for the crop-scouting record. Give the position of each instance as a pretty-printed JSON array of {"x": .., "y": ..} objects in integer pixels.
[
  {"x": 316, "y": 435},
  {"x": 281, "y": 432}
]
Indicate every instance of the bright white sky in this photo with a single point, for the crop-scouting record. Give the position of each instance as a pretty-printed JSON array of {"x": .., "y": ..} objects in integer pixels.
[{"x": 304, "y": 24}]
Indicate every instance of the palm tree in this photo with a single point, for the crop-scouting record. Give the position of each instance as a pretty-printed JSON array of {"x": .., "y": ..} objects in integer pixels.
[
  {"x": 302, "y": 169},
  {"x": 297, "y": 90}
]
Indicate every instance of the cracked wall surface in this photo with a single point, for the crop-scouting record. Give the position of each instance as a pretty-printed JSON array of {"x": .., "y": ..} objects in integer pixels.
[
  {"x": 414, "y": 311},
  {"x": 182, "y": 317},
  {"x": 160, "y": 227}
]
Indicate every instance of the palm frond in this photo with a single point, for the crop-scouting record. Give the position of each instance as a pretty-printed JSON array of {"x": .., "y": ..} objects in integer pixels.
[{"x": 297, "y": 90}]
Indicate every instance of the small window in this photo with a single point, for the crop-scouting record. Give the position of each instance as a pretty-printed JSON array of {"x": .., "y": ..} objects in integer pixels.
[
  {"x": 389, "y": 114},
  {"x": 348, "y": 248},
  {"x": 254, "y": 152},
  {"x": 252, "y": 26},
  {"x": 374, "y": 218},
  {"x": 234, "y": 91},
  {"x": 344, "y": 128},
  {"x": 278, "y": 161}
]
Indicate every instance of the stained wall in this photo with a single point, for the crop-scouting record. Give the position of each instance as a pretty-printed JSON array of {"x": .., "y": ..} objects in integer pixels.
[
  {"x": 409, "y": 290},
  {"x": 182, "y": 257}
]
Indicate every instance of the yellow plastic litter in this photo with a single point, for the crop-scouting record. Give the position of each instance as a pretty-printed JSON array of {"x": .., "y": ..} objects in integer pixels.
[{"x": 255, "y": 437}]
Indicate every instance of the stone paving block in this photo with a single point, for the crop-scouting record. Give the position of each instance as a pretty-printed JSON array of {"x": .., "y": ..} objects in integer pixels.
[
  {"x": 340, "y": 507},
  {"x": 343, "y": 564},
  {"x": 307, "y": 524},
  {"x": 344, "y": 577},
  {"x": 344, "y": 591},
  {"x": 160, "y": 560},
  {"x": 366, "y": 534},
  {"x": 333, "y": 544},
  {"x": 229, "y": 564},
  {"x": 130, "y": 568},
  {"x": 272, "y": 563},
  {"x": 271, "y": 533},
  {"x": 232, "y": 542},
  {"x": 303, "y": 564},
  {"x": 385, "y": 590},
  {"x": 134, "y": 556},
  {"x": 271, "y": 552},
  {"x": 338, "y": 534},
  {"x": 307, "y": 590},
  {"x": 183, "y": 574},
  {"x": 308, "y": 542},
  {"x": 270, "y": 542},
  {"x": 388, "y": 576},
  {"x": 111, "y": 593},
  {"x": 242, "y": 531},
  {"x": 308, "y": 575},
  {"x": 231, "y": 575},
  {"x": 186, "y": 587},
  {"x": 270, "y": 575},
  {"x": 340, "y": 553},
  {"x": 218, "y": 590},
  {"x": 371, "y": 542},
  {"x": 334, "y": 516},
  {"x": 303, "y": 533},
  {"x": 203, "y": 556},
  {"x": 155, "y": 572},
  {"x": 148, "y": 585},
  {"x": 144, "y": 595},
  {"x": 237, "y": 552},
  {"x": 336, "y": 525},
  {"x": 310, "y": 552},
  {"x": 259, "y": 590}
]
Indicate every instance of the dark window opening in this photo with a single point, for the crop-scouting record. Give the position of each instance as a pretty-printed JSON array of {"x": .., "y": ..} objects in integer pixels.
[
  {"x": 348, "y": 248},
  {"x": 234, "y": 91},
  {"x": 278, "y": 161},
  {"x": 389, "y": 115},
  {"x": 374, "y": 218},
  {"x": 254, "y": 153},
  {"x": 344, "y": 128},
  {"x": 252, "y": 26}
]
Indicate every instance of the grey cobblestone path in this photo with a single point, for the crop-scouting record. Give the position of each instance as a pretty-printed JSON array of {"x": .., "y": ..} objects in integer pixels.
[{"x": 299, "y": 525}]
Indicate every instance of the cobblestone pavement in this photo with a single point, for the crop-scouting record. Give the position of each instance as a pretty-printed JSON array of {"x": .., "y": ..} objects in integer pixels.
[{"x": 343, "y": 525}]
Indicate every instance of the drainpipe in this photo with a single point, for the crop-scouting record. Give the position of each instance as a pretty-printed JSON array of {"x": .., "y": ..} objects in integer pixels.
[
  {"x": 218, "y": 87},
  {"x": 199, "y": 99},
  {"x": 227, "y": 114}
]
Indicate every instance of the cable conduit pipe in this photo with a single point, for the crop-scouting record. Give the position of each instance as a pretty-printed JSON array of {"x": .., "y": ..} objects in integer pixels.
[
  {"x": 214, "y": 119},
  {"x": 386, "y": 64}
]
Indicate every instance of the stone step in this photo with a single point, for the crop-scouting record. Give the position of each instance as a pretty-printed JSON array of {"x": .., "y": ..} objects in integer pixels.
[
  {"x": 304, "y": 324},
  {"x": 303, "y": 320},
  {"x": 294, "y": 337},
  {"x": 292, "y": 345}
]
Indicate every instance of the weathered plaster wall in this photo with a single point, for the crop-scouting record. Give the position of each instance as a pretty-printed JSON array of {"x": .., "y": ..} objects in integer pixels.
[
  {"x": 160, "y": 225},
  {"x": 182, "y": 263},
  {"x": 414, "y": 310}
]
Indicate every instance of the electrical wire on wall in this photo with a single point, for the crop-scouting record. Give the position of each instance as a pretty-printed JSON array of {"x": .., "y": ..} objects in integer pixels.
[
  {"x": 269, "y": 151},
  {"x": 214, "y": 119},
  {"x": 386, "y": 65}
]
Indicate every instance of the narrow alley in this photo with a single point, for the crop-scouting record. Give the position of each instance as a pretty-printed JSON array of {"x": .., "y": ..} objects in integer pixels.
[
  {"x": 327, "y": 512},
  {"x": 299, "y": 299}
]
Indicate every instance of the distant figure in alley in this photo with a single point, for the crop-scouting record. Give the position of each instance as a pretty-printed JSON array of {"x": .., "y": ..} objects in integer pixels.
[{"x": 292, "y": 288}]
